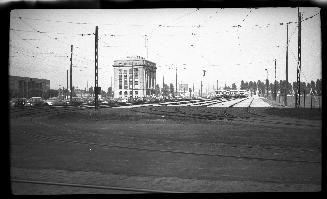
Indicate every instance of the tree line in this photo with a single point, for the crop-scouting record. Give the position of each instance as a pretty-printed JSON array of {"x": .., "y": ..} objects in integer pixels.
[
  {"x": 313, "y": 87},
  {"x": 255, "y": 87}
]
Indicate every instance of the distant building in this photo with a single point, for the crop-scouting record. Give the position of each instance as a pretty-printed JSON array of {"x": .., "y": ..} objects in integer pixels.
[
  {"x": 26, "y": 87},
  {"x": 134, "y": 77},
  {"x": 183, "y": 88},
  {"x": 80, "y": 93}
]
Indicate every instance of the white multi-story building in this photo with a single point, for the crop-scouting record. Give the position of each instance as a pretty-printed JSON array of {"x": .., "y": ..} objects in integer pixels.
[{"x": 134, "y": 77}]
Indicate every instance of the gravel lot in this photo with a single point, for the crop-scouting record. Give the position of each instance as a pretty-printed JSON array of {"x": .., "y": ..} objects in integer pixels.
[{"x": 148, "y": 148}]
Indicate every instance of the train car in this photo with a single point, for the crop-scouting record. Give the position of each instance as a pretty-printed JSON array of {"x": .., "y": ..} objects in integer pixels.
[
  {"x": 231, "y": 94},
  {"x": 222, "y": 93},
  {"x": 234, "y": 93},
  {"x": 219, "y": 94},
  {"x": 243, "y": 93}
]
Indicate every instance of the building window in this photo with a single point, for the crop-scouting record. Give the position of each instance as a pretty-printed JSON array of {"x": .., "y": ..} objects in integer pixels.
[
  {"x": 130, "y": 81},
  {"x": 125, "y": 82},
  {"x": 125, "y": 93},
  {"x": 136, "y": 75},
  {"x": 125, "y": 71},
  {"x": 130, "y": 71},
  {"x": 136, "y": 82},
  {"x": 136, "y": 92},
  {"x": 131, "y": 92},
  {"x": 120, "y": 92},
  {"x": 120, "y": 71},
  {"x": 120, "y": 82}
]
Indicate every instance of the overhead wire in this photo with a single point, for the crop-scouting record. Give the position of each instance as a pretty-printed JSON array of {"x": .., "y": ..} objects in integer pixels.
[{"x": 170, "y": 26}]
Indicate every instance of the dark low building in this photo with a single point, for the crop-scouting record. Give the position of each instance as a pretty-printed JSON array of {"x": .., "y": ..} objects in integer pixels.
[{"x": 26, "y": 87}]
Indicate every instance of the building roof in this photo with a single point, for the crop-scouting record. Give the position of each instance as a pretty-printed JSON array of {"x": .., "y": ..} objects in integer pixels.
[
  {"x": 27, "y": 78},
  {"x": 134, "y": 61}
]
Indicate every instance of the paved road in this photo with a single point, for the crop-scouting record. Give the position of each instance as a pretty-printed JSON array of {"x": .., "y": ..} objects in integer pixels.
[
  {"x": 227, "y": 103},
  {"x": 258, "y": 102}
]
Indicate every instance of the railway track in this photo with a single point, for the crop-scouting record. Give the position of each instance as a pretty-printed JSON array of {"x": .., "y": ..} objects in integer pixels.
[
  {"x": 77, "y": 133},
  {"x": 41, "y": 111},
  {"x": 89, "y": 186},
  {"x": 149, "y": 149}
]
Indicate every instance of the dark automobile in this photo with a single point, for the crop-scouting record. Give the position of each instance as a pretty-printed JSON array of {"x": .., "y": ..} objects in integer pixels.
[
  {"x": 12, "y": 102},
  {"x": 55, "y": 102},
  {"x": 76, "y": 101},
  {"x": 109, "y": 103},
  {"x": 123, "y": 102},
  {"x": 154, "y": 100},
  {"x": 135, "y": 101},
  {"x": 35, "y": 101},
  {"x": 90, "y": 102},
  {"x": 138, "y": 101},
  {"x": 20, "y": 102}
]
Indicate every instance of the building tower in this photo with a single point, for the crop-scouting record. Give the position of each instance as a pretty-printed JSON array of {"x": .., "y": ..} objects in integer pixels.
[{"x": 134, "y": 77}]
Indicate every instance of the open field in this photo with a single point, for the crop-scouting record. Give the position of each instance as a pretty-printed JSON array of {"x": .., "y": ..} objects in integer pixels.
[{"x": 177, "y": 149}]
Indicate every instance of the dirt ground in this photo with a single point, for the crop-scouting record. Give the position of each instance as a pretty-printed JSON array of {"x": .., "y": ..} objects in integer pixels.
[{"x": 137, "y": 148}]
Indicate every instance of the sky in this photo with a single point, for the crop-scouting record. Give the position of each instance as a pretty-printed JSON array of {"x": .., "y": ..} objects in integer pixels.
[{"x": 230, "y": 44}]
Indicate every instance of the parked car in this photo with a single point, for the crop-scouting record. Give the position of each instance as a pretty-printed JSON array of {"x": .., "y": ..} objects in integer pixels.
[
  {"x": 20, "y": 102},
  {"x": 35, "y": 101},
  {"x": 54, "y": 101},
  {"x": 76, "y": 101},
  {"x": 123, "y": 102},
  {"x": 90, "y": 102},
  {"x": 138, "y": 101},
  {"x": 109, "y": 102},
  {"x": 12, "y": 102}
]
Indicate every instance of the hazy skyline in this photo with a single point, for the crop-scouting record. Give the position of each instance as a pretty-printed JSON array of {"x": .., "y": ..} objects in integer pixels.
[{"x": 230, "y": 44}]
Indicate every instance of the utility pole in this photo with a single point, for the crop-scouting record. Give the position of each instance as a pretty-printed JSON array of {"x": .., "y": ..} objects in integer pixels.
[
  {"x": 96, "y": 70},
  {"x": 71, "y": 73},
  {"x": 193, "y": 90},
  {"x": 201, "y": 90},
  {"x": 132, "y": 80},
  {"x": 286, "y": 84},
  {"x": 304, "y": 98},
  {"x": 267, "y": 82},
  {"x": 298, "y": 71},
  {"x": 145, "y": 45},
  {"x": 275, "y": 91},
  {"x": 163, "y": 85},
  {"x": 67, "y": 86},
  {"x": 176, "y": 80}
]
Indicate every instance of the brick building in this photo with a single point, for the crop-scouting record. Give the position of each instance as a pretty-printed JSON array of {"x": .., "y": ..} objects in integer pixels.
[
  {"x": 26, "y": 87},
  {"x": 134, "y": 77}
]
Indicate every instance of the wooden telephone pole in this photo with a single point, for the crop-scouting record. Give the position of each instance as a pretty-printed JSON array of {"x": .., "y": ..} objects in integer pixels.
[
  {"x": 298, "y": 70},
  {"x": 286, "y": 84},
  {"x": 96, "y": 70},
  {"x": 71, "y": 73}
]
